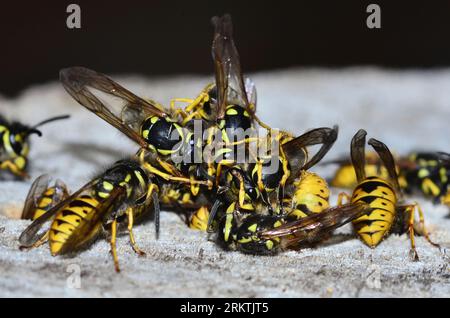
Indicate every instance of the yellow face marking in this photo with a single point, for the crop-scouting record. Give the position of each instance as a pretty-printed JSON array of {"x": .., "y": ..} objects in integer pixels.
[{"x": 7, "y": 143}]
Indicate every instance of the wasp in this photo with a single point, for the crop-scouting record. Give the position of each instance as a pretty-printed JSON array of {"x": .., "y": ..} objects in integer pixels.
[
  {"x": 122, "y": 193},
  {"x": 427, "y": 173},
  {"x": 266, "y": 234},
  {"x": 240, "y": 188},
  {"x": 144, "y": 121},
  {"x": 345, "y": 176},
  {"x": 444, "y": 159},
  {"x": 384, "y": 196},
  {"x": 421, "y": 172},
  {"x": 14, "y": 144},
  {"x": 43, "y": 197}
]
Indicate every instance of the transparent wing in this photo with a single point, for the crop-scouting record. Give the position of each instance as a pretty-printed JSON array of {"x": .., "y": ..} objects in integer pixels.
[
  {"x": 316, "y": 226},
  {"x": 39, "y": 186},
  {"x": 88, "y": 225},
  {"x": 357, "y": 152},
  {"x": 30, "y": 235},
  {"x": 229, "y": 79},
  {"x": 296, "y": 153},
  {"x": 126, "y": 112},
  {"x": 388, "y": 160}
]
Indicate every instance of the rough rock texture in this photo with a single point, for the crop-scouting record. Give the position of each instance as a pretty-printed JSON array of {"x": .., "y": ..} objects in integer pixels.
[{"x": 407, "y": 110}]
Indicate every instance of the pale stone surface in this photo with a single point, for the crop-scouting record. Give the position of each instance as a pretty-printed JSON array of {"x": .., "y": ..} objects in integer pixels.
[{"x": 407, "y": 110}]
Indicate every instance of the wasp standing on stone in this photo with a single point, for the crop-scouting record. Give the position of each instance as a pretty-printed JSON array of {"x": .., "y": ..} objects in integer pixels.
[
  {"x": 14, "y": 145},
  {"x": 384, "y": 196},
  {"x": 122, "y": 193}
]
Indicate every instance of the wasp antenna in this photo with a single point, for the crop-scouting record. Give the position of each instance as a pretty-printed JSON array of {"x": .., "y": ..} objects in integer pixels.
[
  {"x": 34, "y": 131},
  {"x": 50, "y": 120}
]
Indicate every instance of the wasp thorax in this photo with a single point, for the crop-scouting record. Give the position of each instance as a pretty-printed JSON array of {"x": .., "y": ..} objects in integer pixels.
[
  {"x": 163, "y": 134},
  {"x": 236, "y": 118}
]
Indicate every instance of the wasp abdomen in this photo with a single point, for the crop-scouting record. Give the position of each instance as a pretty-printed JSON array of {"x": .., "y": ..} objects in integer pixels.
[
  {"x": 372, "y": 227},
  {"x": 68, "y": 219},
  {"x": 311, "y": 195}
]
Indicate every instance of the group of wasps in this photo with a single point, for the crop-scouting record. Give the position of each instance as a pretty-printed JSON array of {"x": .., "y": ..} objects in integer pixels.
[{"x": 245, "y": 205}]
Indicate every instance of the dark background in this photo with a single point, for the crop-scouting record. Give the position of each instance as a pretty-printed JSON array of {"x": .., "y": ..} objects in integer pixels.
[{"x": 171, "y": 37}]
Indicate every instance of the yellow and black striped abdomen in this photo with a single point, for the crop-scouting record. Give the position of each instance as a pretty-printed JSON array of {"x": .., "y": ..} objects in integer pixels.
[
  {"x": 372, "y": 227},
  {"x": 311, "y": 195},
  {"x": 67, "y": 220}
]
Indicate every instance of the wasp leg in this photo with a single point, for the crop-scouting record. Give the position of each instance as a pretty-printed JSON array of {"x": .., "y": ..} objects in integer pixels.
[
  {"x": 113, "y": 245},
  {"x": 341, "y": 197},
  {"x": 226, "y": 163},
  {"x": 423, "y": 229},
  {"x": 261, "y": 188},
  {"x": 14, "y": 169},
  {"x": 411, "y": 209},
  {"x": 169, "y": 177},
  {"x": 130, "y": 232}
]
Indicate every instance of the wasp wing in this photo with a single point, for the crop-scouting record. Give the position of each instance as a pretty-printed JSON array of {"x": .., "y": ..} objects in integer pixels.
[
  {"x": 357, "y": 154},
  {"x": 388, "y": 160},
  {"x": 296, "y": 153},
  {"x": 229, "y": 79},
  {"x": 314, "y": 227},
  {"x": 30, "y": 235},
  {"x": 127, "y": 116},
  {"x": 39, "y": 186}
]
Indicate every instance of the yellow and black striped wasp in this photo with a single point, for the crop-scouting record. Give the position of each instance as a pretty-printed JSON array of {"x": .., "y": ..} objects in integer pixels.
[
  {"x": 14, "y": 145},
  {"x": 43, "y": 197},
  {"x": 389, "y": 213},
  {"x": 419, "y": 172},
  {"x": 427, "y": 173},
  {"x": 264, "y": 233},
  {"x": 121, "y": 194},
  {"x": 145, "y": 122},
  {"x": 240, "y": 188}
]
